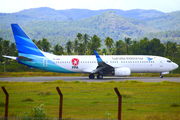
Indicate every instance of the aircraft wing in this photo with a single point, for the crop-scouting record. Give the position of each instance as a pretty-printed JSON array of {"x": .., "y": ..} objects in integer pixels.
[
  {"x": 89, "y": 69},
  {"x": 102, "y": 66}
]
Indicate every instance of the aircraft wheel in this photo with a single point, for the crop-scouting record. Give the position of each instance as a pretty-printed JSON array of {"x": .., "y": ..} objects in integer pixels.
[
  {"x": 161, "y": 76},
  {"x": 91, "y": 76},
  {"x": 99, "y": 76}
]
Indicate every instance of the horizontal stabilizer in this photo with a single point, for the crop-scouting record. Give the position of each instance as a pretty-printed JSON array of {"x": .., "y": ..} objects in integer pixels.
[
  {"x": 24, "y": 58},
  {"x": 11, "y": 57}
]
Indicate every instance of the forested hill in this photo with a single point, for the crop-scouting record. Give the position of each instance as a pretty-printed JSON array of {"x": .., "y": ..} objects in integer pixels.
[
  {"x": 59, "y": 26},
  {"x": 169, "y": 21}
]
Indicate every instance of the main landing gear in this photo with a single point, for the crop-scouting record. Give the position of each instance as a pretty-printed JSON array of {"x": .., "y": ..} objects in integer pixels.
[
  {"x": 161, "y": 76},
  {"x": 99, "y": 76},
  {"x": 91, "y": 76}
]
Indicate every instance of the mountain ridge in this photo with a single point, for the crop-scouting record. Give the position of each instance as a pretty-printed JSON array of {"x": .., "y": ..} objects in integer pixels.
[{"x": 59, "y": 26}]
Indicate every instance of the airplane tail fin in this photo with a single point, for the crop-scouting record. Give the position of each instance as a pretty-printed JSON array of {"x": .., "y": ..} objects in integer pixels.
[{"x": 25, "y": 45}]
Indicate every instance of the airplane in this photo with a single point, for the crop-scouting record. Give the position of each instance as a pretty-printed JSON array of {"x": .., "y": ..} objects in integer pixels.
[{"x": 105, "y": 65}]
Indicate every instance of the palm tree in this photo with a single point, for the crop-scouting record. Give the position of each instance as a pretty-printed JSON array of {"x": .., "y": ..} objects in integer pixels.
[
  {"x": 79, "y": 36},
  {"x": 128, "y": 43},
  {"x": 104, "y": 51},
  {"x": 13, "y": 49},
  {"x": 6, "y": 48},
  {"x": 69, "y": 47},
  {"x": 94, "y": 44},
  {"x": 81, "y": 49},
  {"x": 1, "y": 39},
  {"x": 76, "y": 46},
  {"x": 38, "y": 44},
  {"x": 45, "y": 45},
  {"x": 58, "y": 49},
  {"x": 86, "y": 39},
  {"x": 108, "y": 42}
]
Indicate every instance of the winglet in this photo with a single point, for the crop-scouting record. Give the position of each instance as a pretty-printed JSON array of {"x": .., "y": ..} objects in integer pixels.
[{"x": 98, "y": 57}]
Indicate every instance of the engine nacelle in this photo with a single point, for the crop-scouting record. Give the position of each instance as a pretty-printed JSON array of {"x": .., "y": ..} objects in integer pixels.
[{"x": 122, "y": 71}]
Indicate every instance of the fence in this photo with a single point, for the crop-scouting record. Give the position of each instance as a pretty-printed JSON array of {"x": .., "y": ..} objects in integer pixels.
[
  {"x": 21, "y": 118},
  {"x": 60, "y": 104},
  {"x": 80, "y": 100}
]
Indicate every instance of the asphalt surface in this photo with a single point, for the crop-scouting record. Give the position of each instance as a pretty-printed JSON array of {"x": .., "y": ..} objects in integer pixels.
[{"x": 105, "y": 79}]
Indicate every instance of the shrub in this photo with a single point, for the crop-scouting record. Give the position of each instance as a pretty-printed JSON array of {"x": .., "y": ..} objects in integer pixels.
[
  {"x": 38, "y": 112},
  {"x": 27, "y": 100}
]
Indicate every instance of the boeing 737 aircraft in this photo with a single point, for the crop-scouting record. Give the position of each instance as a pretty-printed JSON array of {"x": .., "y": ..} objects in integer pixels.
[{"x": 104, "y": 65}]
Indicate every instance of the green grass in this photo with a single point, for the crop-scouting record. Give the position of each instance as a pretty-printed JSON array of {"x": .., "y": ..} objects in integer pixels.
[
  {"x": 157, "y": 101},
  {"x": 38, "y": 74}
]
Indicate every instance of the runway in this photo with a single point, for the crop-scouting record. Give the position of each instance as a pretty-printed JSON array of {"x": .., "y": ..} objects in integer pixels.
[{"x": 105, "y": 79}]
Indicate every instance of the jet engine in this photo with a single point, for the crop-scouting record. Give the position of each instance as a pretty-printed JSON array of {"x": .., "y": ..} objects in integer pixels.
[{"x": 122, "y": 71}]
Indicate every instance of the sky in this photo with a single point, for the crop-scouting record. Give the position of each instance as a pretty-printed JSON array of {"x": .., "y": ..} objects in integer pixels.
[{"x": 11, "y": 6}]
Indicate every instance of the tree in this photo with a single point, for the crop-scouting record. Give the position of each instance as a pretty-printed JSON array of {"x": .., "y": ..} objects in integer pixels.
[
  {"x": 85, "y": 39},
  {"x": 128, "y": 43},
  {"x": 174, "y": 48},
  {"x": 58, "y": 49},
  {"x": 104, "y": 51},
  {"x": 76, "y": 46},
  {"x": 108, "y": 42},
  {"x": 45, "y": 45},
  {"x": 6, "y": 48},
  {"x": 13, "y": 49},
  {"x": 0, "y": 53},
  {"x": 119, "y": 45},
  {"x": 94, "y": 44},
  {"x": 168, "y": 51},
  {"x": 156, "y": 48},
  {"x": 143, "y": 48},
  {"x": 69, "y": 47},
  {"x": 135, "y": 48},
  {"x": 79, "y": 36},
  {"x": 38, "y": 43},
  {"x": 81, "y": 49},
  {"x": 1, "y": 39}
]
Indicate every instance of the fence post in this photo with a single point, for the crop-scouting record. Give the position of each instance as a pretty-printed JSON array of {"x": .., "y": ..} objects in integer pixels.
[
  {"x": 7, "y": 101},
  {"x": 61, "y": 102},
  {"x": 119, "y": 103}
]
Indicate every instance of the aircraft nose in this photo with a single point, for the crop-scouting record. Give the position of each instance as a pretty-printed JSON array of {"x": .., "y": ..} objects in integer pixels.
[{"x": 175, "y": 66}]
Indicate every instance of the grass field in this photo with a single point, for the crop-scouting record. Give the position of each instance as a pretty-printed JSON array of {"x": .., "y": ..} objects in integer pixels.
[
  {"x": 151, "y": 101},
  {"x": 35, "y": 74}
]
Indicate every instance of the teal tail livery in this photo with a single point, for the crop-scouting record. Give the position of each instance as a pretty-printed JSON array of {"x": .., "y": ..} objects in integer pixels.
[{"x": 105, "y": 65}]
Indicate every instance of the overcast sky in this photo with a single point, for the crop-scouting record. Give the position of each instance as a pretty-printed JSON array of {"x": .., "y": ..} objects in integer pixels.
[{"x": 10, "y": 6}]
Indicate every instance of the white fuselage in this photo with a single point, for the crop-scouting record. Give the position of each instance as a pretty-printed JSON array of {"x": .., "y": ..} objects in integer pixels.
[{"x": 136, "y": 63}]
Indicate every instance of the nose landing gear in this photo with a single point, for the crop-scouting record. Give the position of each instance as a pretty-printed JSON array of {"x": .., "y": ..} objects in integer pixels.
[{"x": 161, "y": 76}]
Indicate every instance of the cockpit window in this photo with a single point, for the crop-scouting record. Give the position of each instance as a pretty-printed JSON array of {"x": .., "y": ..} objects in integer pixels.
[{"x": 168, "y": 61}]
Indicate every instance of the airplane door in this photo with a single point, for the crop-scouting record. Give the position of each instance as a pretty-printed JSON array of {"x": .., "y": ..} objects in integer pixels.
[
  {"x": 45, "y": 62},
  {"x": 161, "y": 62}
]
